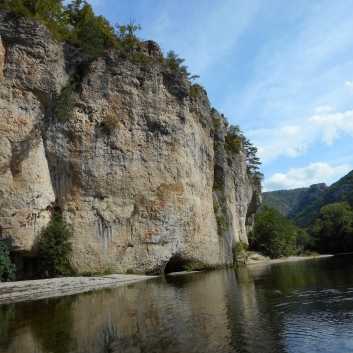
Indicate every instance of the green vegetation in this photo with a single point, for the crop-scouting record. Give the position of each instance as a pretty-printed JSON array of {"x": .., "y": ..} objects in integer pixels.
[
  {"x": 129, "y": 44},
  {"x": 235, "y": 141},
  {"x": 282, "y": 200},
  {"x": 220, "y": 209},
  {"x": 7, "y": 268},
  {"x": 273, "y": 233},
  {"x": 174, "y": 62},
  {"x": 340, "y": 191},
  {"x": 110, "y": 122},
  {"x": 218, "y": 179},
  {"x": 239, "y": 252},
  {"x": 54, "y": 248},
  {"x": 332, "y": 231},
  {"x": 194, "y": 91},
  {"x": 65, "y": 105}
]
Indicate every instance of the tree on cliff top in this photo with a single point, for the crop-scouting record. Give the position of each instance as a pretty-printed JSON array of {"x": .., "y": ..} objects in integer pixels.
[{"x": 235, "y": 141}]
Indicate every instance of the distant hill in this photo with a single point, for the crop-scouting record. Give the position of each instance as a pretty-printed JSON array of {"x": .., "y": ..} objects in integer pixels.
[
  {"x": 308, "y": 209},
  {"x": 283, "y": 200}
]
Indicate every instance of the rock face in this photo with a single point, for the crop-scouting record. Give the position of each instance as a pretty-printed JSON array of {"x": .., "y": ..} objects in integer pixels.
[
  {"x": 308, "y": 196},
  {"x": 136, "y": 195}
]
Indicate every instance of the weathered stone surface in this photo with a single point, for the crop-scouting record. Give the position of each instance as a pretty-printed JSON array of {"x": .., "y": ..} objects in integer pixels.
[{"x": 134, "y": 195}]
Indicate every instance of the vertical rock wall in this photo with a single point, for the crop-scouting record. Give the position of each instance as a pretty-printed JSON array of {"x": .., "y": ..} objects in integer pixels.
[{"x": 135, "y": 193}]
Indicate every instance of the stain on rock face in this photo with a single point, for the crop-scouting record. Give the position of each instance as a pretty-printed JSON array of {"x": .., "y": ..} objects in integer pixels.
[{"x": 3, "y": 54}]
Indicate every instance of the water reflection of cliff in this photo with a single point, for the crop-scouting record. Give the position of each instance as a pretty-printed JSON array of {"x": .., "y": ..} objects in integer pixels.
[
  {"x": 172, "y": 314},
  {"x": 264, "y": 309},
  {"x": 254, "y": 328}
]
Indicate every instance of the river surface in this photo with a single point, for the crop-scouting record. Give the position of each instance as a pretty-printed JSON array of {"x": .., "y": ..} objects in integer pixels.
[{"x": 304, "y": 306}]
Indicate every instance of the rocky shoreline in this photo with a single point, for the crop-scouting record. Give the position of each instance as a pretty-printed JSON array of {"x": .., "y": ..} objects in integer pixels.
[
  {"x": 11, "y": 292},
  {"x": 261, "y": 260}
]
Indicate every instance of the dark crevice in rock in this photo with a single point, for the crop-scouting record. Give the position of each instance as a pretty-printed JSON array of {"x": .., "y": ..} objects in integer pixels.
[{"x": 176, "y": 264}]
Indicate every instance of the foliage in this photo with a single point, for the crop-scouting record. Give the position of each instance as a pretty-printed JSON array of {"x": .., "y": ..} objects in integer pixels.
[
  {"x": 340, "y": 191},
  {"x": 303, "y": 241},
  {"x": 218, "y": 178},
  {"x": 174, "y": 62},
  {"x": 239, "y": 252},
  {"x": 273, "y": 233},
  {"x": 235, "y": 141},
  {"x": 282, "y": 200},
  {"x": 65, "y": 105},
  {"x": 129, "y": 43},
  {"x": 194, "y": 90},
  {"x": 216, "y": 123},
  {"x": 54, "y": 247},
  {"x": 7, "y": 268},
  {"x": 110, "y": 122},
  {"x": 332, "y": 231},
  {"x": 74, "y": 22},
  {"x": 220, "y": 209},
  {"x": 216, "y": 145}
]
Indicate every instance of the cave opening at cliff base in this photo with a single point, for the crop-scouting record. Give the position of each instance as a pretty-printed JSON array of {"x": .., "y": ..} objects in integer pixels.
[{"x": 176, "y": 264}]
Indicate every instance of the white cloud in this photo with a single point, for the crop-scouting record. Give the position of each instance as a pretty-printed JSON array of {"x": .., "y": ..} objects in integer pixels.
[
  {"x": 295, "y": 140},
  {"x": 349, "y": 84},
  {"x": 322, "y": 110},
  {"x": 303, "y": 177}
]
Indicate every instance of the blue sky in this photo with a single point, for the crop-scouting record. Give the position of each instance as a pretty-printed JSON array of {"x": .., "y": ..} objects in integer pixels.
[{"x": 282, "y": 70}]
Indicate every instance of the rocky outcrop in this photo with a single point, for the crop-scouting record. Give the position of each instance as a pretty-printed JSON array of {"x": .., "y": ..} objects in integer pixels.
[
  {"x": 136, "y": 194},
  {"x": 308, "y": 196}
]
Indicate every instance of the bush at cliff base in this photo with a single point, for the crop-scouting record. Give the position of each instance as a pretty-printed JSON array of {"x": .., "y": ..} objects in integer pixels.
[
  {"x": 273, "y": 233},
  {"x": 54, "y": 248},
  {"x": 7, "y": 269}
]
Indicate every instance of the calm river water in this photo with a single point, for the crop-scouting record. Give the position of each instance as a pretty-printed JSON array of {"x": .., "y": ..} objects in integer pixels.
[{"x": 304, "y": 306}]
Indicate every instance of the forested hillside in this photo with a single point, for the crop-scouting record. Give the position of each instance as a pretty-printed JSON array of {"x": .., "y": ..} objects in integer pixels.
[
  {"x": 282, "y": 200},
  {"x": 340, "y": 191}
]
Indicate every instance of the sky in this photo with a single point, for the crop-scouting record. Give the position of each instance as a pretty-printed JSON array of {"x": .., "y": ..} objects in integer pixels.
[{"x": 281, "y": 70}]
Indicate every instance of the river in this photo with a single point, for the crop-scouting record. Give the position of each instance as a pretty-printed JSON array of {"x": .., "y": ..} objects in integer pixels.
[{"x": 303, "y": 306}]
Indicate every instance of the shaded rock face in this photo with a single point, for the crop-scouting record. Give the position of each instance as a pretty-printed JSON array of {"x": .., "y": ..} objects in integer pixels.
[{"x": 135, "y": 194}]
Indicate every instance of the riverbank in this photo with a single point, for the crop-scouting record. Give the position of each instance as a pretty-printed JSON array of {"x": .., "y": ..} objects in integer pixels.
[
  {"x": 11, "y": 292},
  {"x": 258, "y": 259}
]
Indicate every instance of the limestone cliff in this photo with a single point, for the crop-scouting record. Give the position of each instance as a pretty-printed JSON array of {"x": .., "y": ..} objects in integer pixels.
[{"x": 137, "y": 195}]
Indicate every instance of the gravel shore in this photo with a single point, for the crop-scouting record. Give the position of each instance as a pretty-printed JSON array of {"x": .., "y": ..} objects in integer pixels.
[
  {"x": 261, "y": 260},
  {"x": 57, "y": 287}
]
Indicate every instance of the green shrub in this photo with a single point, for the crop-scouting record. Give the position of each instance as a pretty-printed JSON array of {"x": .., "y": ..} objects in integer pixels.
[
  {"x": 219, "y": 211},
  {"x": 54, "y": 248},
  {"x": 194, "y": 91},
  {"x": 7, "y": 269},
  {"x": 216, "y": 145},
  {"x": 216, "y": 123},
  {"x": 239, "y": 252},
  {"x": 233, "y": 140},
  {"x": 110, "y": 122},
  {"x": 273, "y": 233},
  {"x": 218, "y": 182},
  {"x": 65, "y": 105}
]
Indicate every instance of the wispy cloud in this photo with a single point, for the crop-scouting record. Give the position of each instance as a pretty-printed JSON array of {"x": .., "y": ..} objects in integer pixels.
[
  {"x": 295, "y": 140},
  {"x": 303, "y": 177},
  {"x": 296, "y": 70},
  {"x": 349, "y": 84}
]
